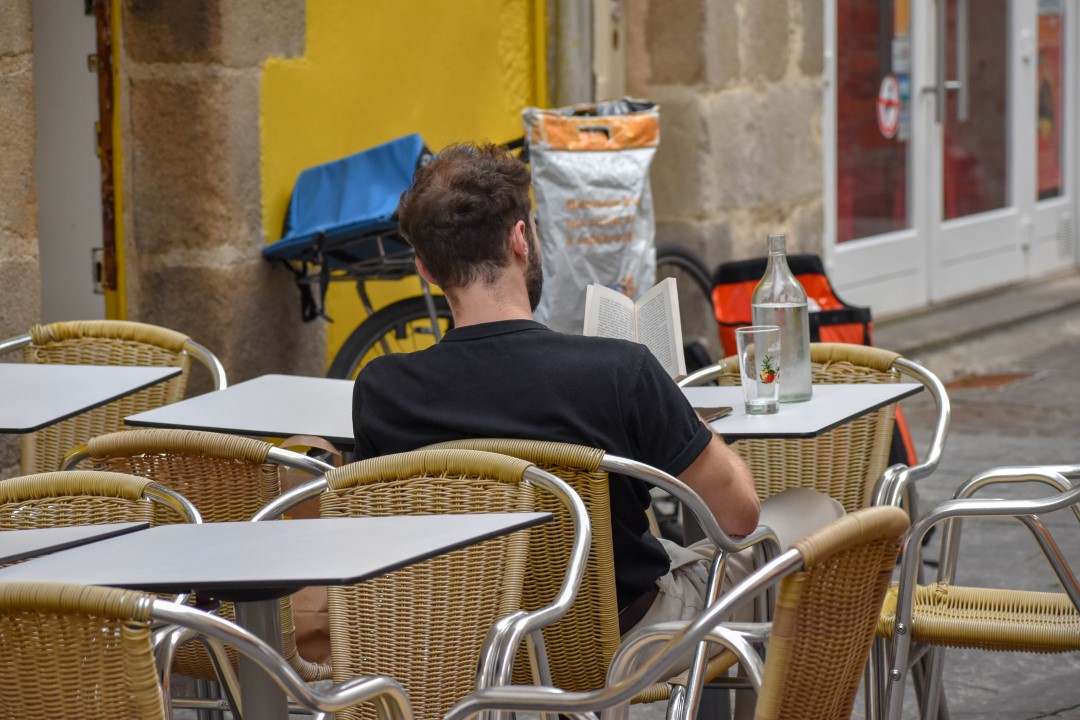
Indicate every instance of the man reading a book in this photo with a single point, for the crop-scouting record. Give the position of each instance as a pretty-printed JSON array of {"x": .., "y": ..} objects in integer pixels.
[{"x": 499, "y": 373}]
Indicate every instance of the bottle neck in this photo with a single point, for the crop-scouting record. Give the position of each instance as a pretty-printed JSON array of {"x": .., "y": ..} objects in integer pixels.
[{"x": 777, "y": 246}]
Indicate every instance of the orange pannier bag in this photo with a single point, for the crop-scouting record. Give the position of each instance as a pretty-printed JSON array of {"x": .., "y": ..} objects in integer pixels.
[{"x": 834, "y": 321}]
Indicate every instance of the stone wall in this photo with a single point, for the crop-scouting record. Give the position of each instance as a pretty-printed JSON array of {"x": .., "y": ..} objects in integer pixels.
[
  {"x": 20, "y": 278},
  {"x": 739, "y": 84},
  {"x": 193, "y": 227}
]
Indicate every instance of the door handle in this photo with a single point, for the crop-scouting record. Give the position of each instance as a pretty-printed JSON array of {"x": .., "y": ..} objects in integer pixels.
[{"x": 960, "y": 85}]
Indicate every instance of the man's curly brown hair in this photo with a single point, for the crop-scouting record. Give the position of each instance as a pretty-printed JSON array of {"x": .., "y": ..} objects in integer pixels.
[{"x": 460, "y": 209}]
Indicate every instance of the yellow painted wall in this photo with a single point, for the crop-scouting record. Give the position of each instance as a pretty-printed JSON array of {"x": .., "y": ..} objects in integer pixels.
[{"x": 379, "y": 69}]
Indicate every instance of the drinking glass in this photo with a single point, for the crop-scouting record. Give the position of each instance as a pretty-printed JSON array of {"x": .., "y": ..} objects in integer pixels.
[{"x": 759, "y": 364}]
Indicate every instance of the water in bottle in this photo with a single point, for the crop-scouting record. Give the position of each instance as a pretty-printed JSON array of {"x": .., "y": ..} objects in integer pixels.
[{"x": 779, "y": 299}]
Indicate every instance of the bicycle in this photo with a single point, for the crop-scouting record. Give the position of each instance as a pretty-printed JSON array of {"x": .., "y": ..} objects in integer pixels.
[{"x": 319, "y": 248}]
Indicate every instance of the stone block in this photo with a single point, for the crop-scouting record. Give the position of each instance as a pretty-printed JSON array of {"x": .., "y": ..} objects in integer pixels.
[
  {"x": 15, "y": 27},
  {"x": 675, "y": 41},
  {"x": 722, "y": 44},
  {"x": 766, "y": 37},
  {"x": 247, "y": 313},
  {"x": 194, "y": 177},
  {"x": 20, "y": 292},
  {"x": 18, "y": 200},
  {"x": 808, "y": 227},
  {"x": 164, "y": 31},
  {"x": 637, "y": 51},
  {"x": 765, "y": 147},
  {"x": 811, "y": 59},
  {"x": 677, "y": 177},
  {"x": 710, "y": 239},
  {"x": 252, "y": 30}
]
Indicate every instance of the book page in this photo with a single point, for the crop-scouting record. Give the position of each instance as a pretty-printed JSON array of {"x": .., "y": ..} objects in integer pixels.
[
  {"x": 659, "y": 326},
  {"x": 608, "y": 313}
]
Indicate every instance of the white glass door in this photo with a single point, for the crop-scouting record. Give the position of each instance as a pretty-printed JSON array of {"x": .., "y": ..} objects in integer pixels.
[
  {"x": 974, "y": 104},
  {"x": 1050, "y": 102},
  {"x": 875, "y": 152},
  {"x": 970, "y": 185}
]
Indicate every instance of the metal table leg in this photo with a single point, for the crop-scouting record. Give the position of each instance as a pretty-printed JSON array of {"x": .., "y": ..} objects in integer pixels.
[{"x": 260, "y": 697}]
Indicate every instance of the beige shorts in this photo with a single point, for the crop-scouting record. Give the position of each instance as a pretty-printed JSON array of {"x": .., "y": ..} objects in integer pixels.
[{"x": 791, "y": 514}]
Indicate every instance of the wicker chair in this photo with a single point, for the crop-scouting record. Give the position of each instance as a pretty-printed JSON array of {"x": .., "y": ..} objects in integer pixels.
[
  {"x": 88, "y": 497},
  {"x": 580, "y": 647},
  {"x": 105, "y": 342},
  {"x": 831, "y": 583},
  {"x": 925, "y": 619},
  {"x": 86, "y": 652},
  {"x": 427, "y": 624},
  {"x": 229, "y": 478},
  {"x": 848, "y": 462}
]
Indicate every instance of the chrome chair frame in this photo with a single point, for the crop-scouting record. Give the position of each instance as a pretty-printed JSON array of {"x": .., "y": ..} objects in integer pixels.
[
  {"x": 894, "y": 486},
  {"x": 168, "y": 639},
  {"x": 502, "y": 642},
  {"x": 950, "y": 512},
  {"x": 686, "y": 701}
]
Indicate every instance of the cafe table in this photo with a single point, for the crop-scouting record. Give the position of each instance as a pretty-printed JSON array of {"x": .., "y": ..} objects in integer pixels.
[
  {"x": 285, "y": 405},
  {"x": 36, "y": 395},
  {"x": 830, "y": 406},
  {"x": 18, "y": 545},
  {"x": 253, "y": 564},
  {"x": 266, "y": 406}
]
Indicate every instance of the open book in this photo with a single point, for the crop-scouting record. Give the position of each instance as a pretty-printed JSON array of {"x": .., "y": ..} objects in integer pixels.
[{"x": 652, "y": 321}]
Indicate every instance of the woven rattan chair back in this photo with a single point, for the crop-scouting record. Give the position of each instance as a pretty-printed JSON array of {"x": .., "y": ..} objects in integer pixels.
[
  {"x": 826, "y": 615},
  {"x": 101, "y": 342},
  {"x": 581, "y": 645},
  {"x": 843, "y": 463},
  {"x": 228, "y": 478},
  {"x": 78, "y": 497},
  {"x": 425, "y": 624},
  {"x": 73, "y": 651}
]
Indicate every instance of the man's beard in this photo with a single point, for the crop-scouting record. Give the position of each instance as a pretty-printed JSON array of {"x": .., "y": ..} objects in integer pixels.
[{"x": 534, "y": 272}]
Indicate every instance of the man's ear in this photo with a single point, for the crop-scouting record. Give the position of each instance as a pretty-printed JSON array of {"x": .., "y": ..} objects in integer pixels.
[
  {"x": 519, "y": 243},
  {"x": 422, "y": 269}
]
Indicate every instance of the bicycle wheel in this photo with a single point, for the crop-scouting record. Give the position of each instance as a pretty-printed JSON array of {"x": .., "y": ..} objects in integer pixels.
[
  {"x": 695, "y": 294},
  {"x": 404, "y": 326}
]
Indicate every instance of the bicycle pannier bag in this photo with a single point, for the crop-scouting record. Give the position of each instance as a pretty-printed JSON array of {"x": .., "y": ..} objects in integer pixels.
[{"x": 590, "y": 168}]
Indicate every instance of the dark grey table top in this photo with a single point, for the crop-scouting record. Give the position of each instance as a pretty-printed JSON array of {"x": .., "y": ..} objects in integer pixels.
[
  {"x": 22, "y": 544},
  {"x": 266, "y": 406},
  {"x": 33, "y": 396},
  {"x": 255, "y": 560}
]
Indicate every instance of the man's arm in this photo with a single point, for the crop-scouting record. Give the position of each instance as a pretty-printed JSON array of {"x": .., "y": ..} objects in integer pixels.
[{"x": 724, "y": 482}]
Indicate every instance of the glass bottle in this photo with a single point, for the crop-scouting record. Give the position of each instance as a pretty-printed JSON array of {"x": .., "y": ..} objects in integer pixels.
[{"x": 779, "y": 299}]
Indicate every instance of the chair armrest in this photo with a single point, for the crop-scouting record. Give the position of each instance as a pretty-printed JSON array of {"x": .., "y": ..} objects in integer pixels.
[
  {"x": 1024, "y": 510},
  {"x": 502, "y": 642},
  {"x": 692, "y": 502},
  {"x": 210, "y": 360},
  {"x": 658, "y": 665},
  {"x": 704, "y": 375},
  {"x": 890, "y": 487},
  {"x": 287, "y": 500},
  {"x": 739, "y": 638},
  {"x": 390, "y": 696},
  {"x": 14, "y": 343},
  {"x": 1056, "y": 476},
  {"x": 298, "y": 461}
]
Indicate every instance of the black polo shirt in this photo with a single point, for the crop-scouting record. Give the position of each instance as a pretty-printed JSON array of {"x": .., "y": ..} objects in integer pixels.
[{"x": 519, "y": 379}]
